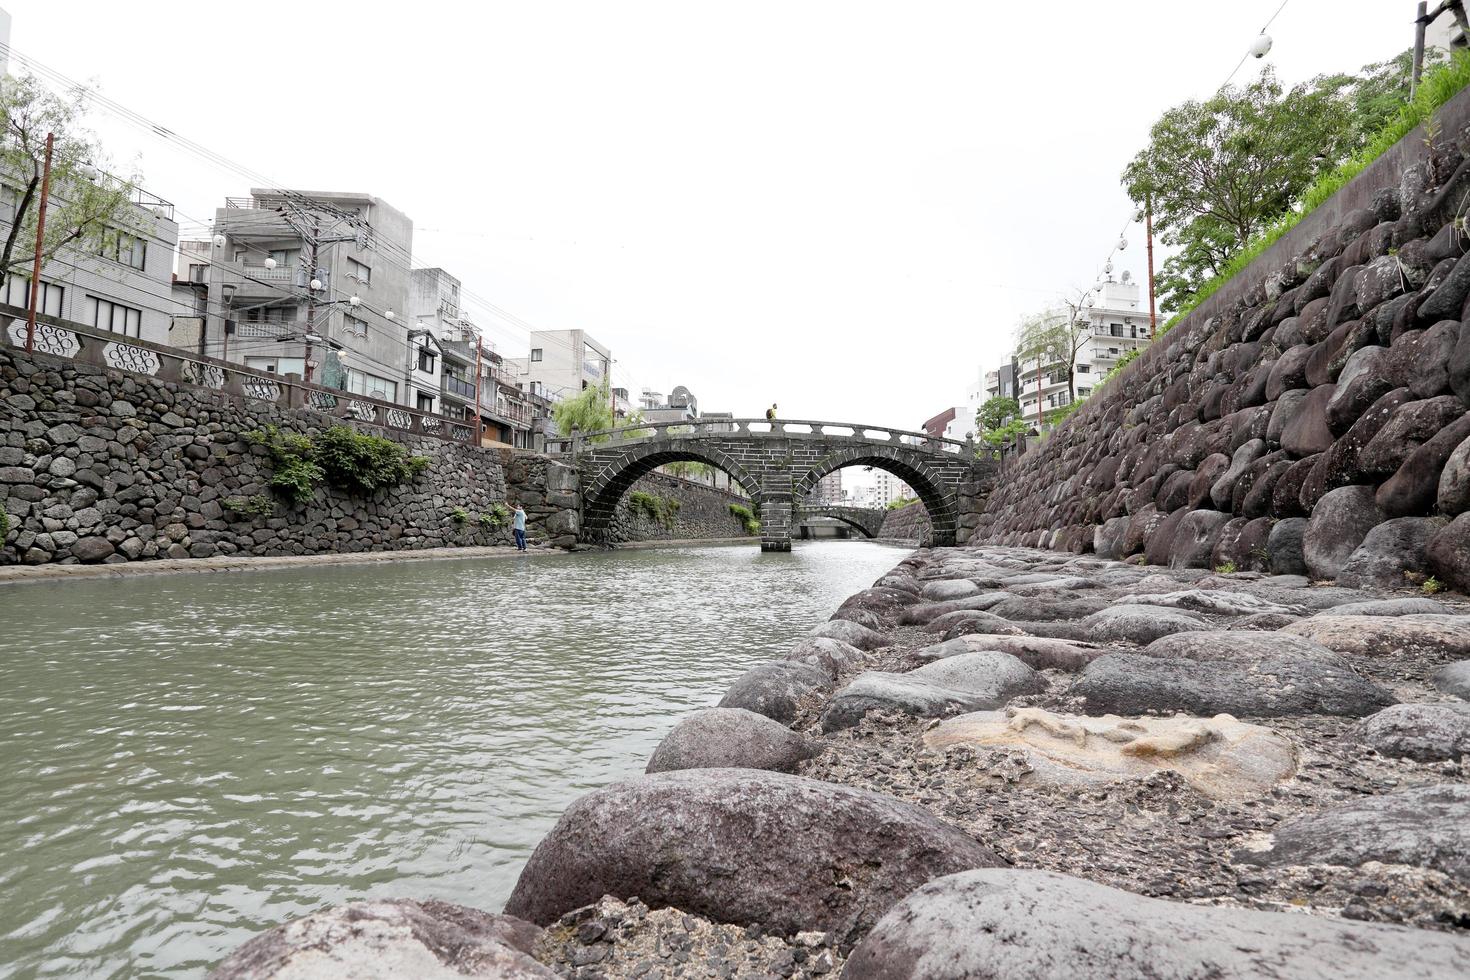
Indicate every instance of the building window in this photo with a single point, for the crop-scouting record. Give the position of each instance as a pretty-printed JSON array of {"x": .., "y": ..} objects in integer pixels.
[
  {"x": 277, "y": 365},
  {"x": 354, "y": 326},
  {"x": 119, "y": 246},
  {"x": 535, "y": 354},
  {"x": 1116, "y": 329},
  {"x": 425, "y": 402},
  {"x": 198, "y": 272},
  {"x": 426, "y": 360},
  {"x": 285, "y": 257},
  {"x": 107, "y": 315},
  {"x": 18, "y": 293},
  {"x": 1084, "y": 368},
  {"x": 593, "y": 363},
  {"x": 9, "y": 201},
  {"x": 362, "y": 383},
  {"x": 269, "y": 314},
  {"x": 360, "y": 271}
]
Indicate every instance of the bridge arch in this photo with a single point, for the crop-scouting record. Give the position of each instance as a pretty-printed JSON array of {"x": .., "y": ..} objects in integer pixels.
[
  {"x": 836, "y": 514},
  {"x": 909, "y": 467},
  {"x": 606, "y": 488}
]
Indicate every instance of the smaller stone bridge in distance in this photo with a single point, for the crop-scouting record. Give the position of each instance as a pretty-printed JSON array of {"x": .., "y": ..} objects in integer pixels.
[
  {"x": 868, "y": 520},
  {"x": 777, "y": 463}
]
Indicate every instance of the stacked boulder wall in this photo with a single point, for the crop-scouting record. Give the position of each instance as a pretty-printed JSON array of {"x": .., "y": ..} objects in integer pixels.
[
  {"x": 1321, "y": 392},
  {"x": 763, "y": 849}
]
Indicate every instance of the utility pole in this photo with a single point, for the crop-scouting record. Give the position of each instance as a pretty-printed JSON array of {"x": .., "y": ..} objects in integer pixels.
[
  {"x": 1421, "y": 23},
  {"x": 40, "y": 240},
  {"x": 310, "y": 301},
  {"x": 1148, "y": 218},
  {"x": 479, "y": 386}
]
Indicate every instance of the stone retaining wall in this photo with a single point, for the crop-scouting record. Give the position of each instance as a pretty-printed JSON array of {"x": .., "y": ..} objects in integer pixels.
[
  {"x": 704, "y": 512},
  {"x": 909, "y": 523},
  {"x": 1311, "y": 417},
  {"x": 105, "y": 465}
]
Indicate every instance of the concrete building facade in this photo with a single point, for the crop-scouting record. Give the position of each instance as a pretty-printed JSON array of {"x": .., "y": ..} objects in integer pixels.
[
  {"x": 565, "y": 362},
  {"x": 1114, "y": 325},
  {"x": 124, "y": 284},
  {"x": 261, "y": 281}
]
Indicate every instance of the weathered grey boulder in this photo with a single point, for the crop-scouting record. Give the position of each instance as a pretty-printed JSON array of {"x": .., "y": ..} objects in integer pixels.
[
  {"x": 925, "y": 612},
  {"x": 833, "y": 657},
  {"x": 1039, "y": 925},
  {"x": 857, "y": 635},
  {"x": 1411, "y": 424},
  {"x": 1449, "y": 553},
  {"x": 957, "y": 588},
  {"x": 1413, "y": 488},
  {"x": 1426, "y": 827},
  {"x": 972, "y": 681},
  {"x": 982, "y": 620},
  {"x": 1425, "y": 732},
  {"x": 1036, "y": 652},
  {"x": 730, "y": 738},
  {"x": 1389, "y": 551},
  {"x": 390, "y": 938},
  {"x": 1453, "y": 493},
  {"x": 1308, "y": 431},
  {"x": 1221, "y": 602},
  {"x": 775, "y": 689},
  {"x": 1414, "y": 605},
  {"x": 1140, "y": 624},
  {"x": 1376, "y": 636},
  {"x": 1287, "y": 684},
  {"x": 1108, "y": 539},
  {"x": 1222, "y": 646},
  {"x": 1368, "y": 375},
  {"x": 1454, "y": 679},
  {"x": 1194, "y": 542},
  {"x": 1286, "y": 547},
  {"x": 1240, "y": 461},
  {"x": 1340, "y": 522},
  {"x": 753, "y": 848}
]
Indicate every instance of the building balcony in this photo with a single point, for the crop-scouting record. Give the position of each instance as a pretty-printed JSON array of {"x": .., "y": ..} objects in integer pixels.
[{"x": 458, "y": 388}]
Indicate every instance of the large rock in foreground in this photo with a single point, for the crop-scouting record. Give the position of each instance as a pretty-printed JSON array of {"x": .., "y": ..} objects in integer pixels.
[
  {"x": 1269, "y": 686},
  {"x": 1425, "y": 732},
  {"x": 390, "y": 939},
  {"x": 1376, "y": 636},
  {"x": 1220, "y": 757},
  {"x": 1427, "y": 827},
  {"x": 1030, "y": 925},
  {"x": 750, "y": 848},
  {"x": 973, "y": 681},
  {"x": 731, "y": 738},
  {"x": 776, "y": 689}
]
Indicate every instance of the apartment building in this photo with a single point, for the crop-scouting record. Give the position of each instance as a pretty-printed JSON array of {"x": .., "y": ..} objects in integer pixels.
[
  {"x": 1114, "y": 326},
  {"x": 564, "y": 362},
  {"x": 318, "y": 273},
  {"x": 122, "y": 283}
]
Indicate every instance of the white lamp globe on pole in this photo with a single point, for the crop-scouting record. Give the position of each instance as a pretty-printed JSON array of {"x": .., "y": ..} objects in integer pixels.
[
  {"x": 315, "y": 285},
  {"x": 355, "y": 300},
  {"x": 1261, "y": 46}
]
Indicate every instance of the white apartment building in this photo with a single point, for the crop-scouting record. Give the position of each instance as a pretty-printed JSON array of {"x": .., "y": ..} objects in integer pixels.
[
  {"x": 124, "y": 286},
  {"x": 564, "y": 362},
  {"x": 829, "y": 489},
  {"x": 887, "y": 488},
  {"x": 1115, "y": 325}
]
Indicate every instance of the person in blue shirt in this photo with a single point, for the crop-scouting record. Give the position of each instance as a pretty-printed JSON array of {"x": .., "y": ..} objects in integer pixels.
[{"x": 518, "y": 527}]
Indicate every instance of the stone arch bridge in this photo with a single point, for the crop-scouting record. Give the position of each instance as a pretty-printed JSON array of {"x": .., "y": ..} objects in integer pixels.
[
  {"x": 868, "y": 520},
  {"x": 777, "y": 464}
]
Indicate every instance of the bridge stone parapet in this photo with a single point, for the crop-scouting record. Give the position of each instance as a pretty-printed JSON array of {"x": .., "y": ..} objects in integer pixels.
[{"x": 778, "y": 464}]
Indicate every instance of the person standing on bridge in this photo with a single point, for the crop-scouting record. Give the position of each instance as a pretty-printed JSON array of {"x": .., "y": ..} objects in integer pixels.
[
  {"x": 518, "y": 527},
  {"x": 771, "y": 413}
]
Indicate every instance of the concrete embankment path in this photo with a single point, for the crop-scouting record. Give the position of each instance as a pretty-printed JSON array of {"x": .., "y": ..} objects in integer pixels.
[{"x": 1013, "y": 763}]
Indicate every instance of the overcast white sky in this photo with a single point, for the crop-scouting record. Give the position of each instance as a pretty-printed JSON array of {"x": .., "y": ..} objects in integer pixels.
[{"x": 842, "y": 207}]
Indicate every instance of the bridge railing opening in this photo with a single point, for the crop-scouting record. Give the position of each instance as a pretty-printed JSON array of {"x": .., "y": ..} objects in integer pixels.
[{"x": 577, "y": 442}]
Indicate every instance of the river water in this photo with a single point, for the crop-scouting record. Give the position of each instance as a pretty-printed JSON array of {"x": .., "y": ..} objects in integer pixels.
[{"x": 189, "y": 759}]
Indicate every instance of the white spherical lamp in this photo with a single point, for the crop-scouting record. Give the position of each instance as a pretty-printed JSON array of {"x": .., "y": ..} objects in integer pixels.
[
  {"x": 269, "y": 263},
  {"x": 316, "y": 285},
  {"x": 389, "y": 314},
  {"x": 219, "y": 241},
  {"x": 355, "y": 300},
  {"x": 1261, "y": 46},
  {"x": 1122, "y": 243}
]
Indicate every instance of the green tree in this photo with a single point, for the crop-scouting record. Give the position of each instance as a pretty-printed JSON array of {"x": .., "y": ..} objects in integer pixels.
[
  {"x": 1216, "y": 173},
  {"x": 590, "y": 410},
  {"x": 999, "y": 420},
  {"x": 88, "y": 209}
]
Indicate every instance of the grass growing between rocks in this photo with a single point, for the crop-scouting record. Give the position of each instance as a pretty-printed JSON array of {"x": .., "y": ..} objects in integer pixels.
[
  {"x": 1437, "y": 87},
  {"x": 664, "y": 510},
  {"x": 747, "y": 519}
]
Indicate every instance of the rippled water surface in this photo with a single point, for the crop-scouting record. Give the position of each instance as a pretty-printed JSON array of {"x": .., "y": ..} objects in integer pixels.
[{"x": 189, "y": 759}]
